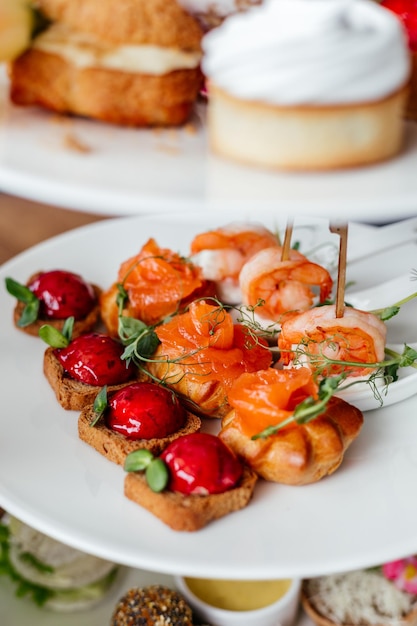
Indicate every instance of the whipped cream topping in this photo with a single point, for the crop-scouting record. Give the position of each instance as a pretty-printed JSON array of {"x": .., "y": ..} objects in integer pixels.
[
  {"x": 311, "y": 52},
  {"x": 84, "y": 50}
]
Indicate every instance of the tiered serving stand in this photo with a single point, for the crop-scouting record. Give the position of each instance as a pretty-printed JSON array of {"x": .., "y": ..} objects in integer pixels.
[{"x": 168, "y": 185}]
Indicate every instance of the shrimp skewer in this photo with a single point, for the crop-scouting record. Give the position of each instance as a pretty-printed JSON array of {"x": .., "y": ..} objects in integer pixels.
[
  {"x": 316, "y": 336},
  {"x": 282, "y": 285},
  {"x": 221, "y": 254}
]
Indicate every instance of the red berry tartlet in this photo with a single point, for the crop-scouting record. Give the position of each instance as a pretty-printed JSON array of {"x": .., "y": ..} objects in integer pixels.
[
  {"x": 140, "y": 415},
  {"x": 197, "y": 479},
  {"x": 53, "y": 296},
  {"x": 77, "y": 371}
]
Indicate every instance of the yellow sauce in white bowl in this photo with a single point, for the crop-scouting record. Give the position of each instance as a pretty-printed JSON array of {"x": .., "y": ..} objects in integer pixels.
[
  {"x": 238, "y": 595},
  {"x": 242, "y": 602}
]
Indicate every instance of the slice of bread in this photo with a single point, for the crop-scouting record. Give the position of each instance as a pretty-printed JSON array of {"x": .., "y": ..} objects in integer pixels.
[
  {"x": 71, "y": 394},
  {"x": 80, "y": 326},
  {"x": 115, "y": 447},
  {"x": 193, "y": 512}
]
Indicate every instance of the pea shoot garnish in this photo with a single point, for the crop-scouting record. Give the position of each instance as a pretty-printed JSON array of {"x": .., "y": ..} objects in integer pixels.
[
  {"x": 156, "y": 471},
  {"x": 23, "y": 294},
  {"x": 100, "y": 405},
  {"x": 56, "y": 338}
]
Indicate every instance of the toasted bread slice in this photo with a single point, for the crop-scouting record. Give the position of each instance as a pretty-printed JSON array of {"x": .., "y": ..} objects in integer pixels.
[
  {"x": 80, "y": 326},
  {"x": 71, "y": 394},
  {"x": 189, "y": 513},
  {"x": 115, "y": 447}
]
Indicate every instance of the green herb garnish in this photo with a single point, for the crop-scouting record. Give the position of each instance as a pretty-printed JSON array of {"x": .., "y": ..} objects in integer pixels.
[
  {"x": 22, "y": 293},
  {"x": 56, "y": 338},
  {"x": 156, "y": 471}
]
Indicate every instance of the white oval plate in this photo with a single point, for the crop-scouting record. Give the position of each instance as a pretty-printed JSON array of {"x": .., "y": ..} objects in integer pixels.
[
  {"x": 362, "y": 515},
  {"x": 100, "y": 168}
]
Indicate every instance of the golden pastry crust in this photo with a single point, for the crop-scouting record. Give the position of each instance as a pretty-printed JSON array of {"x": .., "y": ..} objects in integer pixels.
[
  {"x": 301, "y": 454},
  {"x": 208, "y": 399},
  {"x": 159, "y": 22},
  {"x": 48, "y": 80},
  {"x": 302, "y": 138}
]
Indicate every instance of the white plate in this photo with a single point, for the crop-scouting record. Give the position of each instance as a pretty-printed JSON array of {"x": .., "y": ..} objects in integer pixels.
[
  {"x": 21, "y": 612},
  {"x": 128, "y": 171},
  {"x": 363, "y": 514}
]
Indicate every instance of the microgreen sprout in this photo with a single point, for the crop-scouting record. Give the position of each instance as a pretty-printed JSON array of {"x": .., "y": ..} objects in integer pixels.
[
  {"x": 308, "y": 409},
  {"x": 245, "y": 315},
  {"x": 22, "y": 293},
  {"x": 139, "y": 339},
  {"x": 388, "y": 312},
  {"x": 56, "y": 338},
  {"x": 100, "y": 405},
  {"x": 156, "y": 471}
]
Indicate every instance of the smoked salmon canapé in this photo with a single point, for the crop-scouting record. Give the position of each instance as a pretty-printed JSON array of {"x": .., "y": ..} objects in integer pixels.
[
  {"x": 152, "y": 285},
  {"x": 261, "y": 429},
  {"x": 201, "y": 353}
]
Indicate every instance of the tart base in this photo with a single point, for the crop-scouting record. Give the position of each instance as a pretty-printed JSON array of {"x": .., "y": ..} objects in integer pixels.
[{"x": 305, "y": 138}]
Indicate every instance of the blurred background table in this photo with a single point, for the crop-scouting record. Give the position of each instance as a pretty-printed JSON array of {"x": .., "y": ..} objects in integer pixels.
[{"x": 24, "y": 223}]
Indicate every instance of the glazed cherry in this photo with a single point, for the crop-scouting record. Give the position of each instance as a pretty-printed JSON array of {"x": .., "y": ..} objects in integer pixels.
[
  {"x": 63, "y": 294},
  {"x": 406, "y": 10},
  {"x": 200, "y": 463},
  {"x": 94, "y": 359},
  {"x": 145, "y": 411}
]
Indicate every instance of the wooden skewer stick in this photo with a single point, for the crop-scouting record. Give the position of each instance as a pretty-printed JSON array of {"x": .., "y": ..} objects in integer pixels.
[
  {"x": 342, "y": 231},
  {"x": 287, "y": 242}
]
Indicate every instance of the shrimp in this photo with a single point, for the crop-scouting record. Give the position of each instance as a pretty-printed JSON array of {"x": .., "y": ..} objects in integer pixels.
[
  {"x": 222, "y": 253},
  {"x": 282, "y": 285},
  {"x": 313, "y": 336}
]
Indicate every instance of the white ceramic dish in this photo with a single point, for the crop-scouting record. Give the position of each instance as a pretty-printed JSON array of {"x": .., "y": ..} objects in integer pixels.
[
  {"x": 282, "y": 612},
  {"x": 61, "y": 486},
  {"x": 85, "y": 165}
]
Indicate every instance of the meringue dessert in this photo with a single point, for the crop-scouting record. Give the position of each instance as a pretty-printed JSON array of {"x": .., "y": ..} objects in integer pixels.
[{"x": 307, "y": 84}]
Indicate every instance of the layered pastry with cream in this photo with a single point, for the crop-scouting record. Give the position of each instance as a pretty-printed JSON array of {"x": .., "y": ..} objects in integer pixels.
[
  {"x": 133, "y": 62},
  {"x": 307, "y": 84}
]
